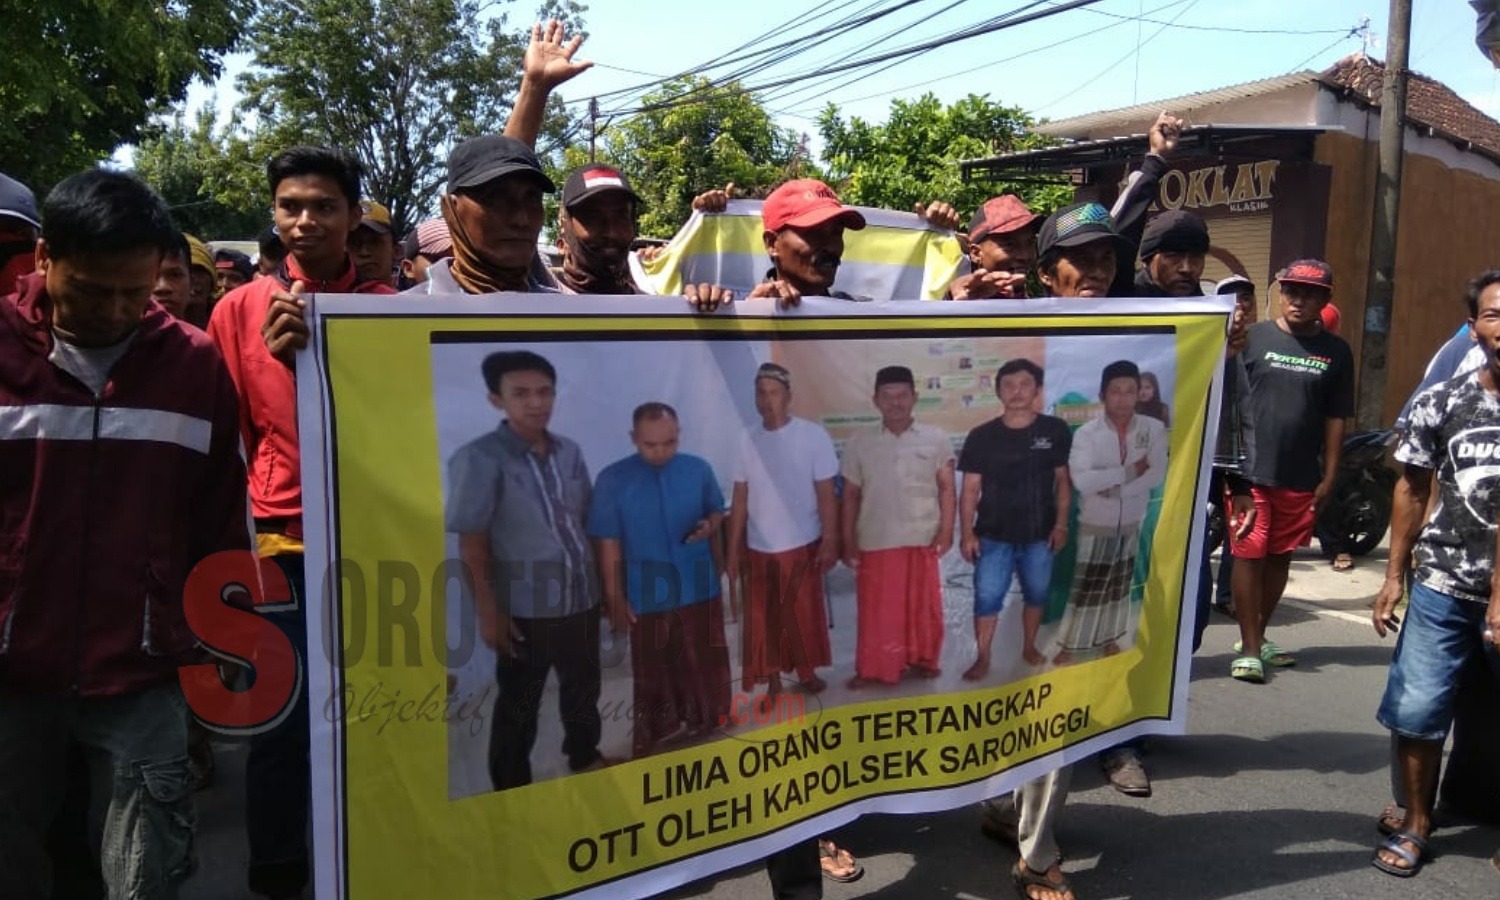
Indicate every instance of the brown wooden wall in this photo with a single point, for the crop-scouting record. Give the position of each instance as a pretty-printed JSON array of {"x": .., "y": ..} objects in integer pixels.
[{"x": 1449, "y": 232}]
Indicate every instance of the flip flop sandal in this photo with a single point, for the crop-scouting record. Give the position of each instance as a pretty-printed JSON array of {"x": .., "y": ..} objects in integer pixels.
[
  {"x": 828, "y": 850},
  {"x": 1248, "y": 668},
  {"x": 1271, "y": 653},
  {"x": 1343, "y": 563},
  {"x": 1396, "y": 844},
  {"x": 1028, "y": 879}
]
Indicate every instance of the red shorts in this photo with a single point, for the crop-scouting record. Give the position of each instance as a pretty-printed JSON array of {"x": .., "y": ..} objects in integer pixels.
[{"x": 1283, "y": 522}]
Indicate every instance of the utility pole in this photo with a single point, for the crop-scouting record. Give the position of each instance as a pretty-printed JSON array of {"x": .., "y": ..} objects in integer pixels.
[
  {"x": 1380, "y": 285},
  {"x": 593, "y": 127}
]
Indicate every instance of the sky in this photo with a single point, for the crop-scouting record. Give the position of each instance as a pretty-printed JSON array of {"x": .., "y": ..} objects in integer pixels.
[{"x": 1114, "y": 53}]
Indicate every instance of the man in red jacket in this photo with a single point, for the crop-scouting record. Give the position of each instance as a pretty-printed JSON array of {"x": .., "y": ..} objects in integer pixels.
[
  {"x": 119, "y": 472},
  {"x": 315, "y": 205}
]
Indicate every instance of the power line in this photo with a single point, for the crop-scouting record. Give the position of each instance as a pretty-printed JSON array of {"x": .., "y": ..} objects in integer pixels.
[
  {"x": 1223, "y": 28},
  {"x": 996, "y": 62},
  {"x": 1338, "y": 40},
  {"x": 798, "y": 44},
  {"x": 817, "y": 83},
  {"x": 784, "y": 26},
  {"x": 1111, "y": 67},
  {"x": 778, "y": 54},
  {"x": 945, "y": 40}
]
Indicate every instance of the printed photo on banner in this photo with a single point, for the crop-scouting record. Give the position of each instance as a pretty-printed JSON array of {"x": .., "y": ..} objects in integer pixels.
[
  {"x": 619, "y": 596},
  {"x": 690, "y": 541}
]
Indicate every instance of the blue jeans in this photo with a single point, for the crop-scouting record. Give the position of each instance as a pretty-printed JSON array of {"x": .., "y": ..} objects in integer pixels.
[
  {"x": 999, "y": 563},
  {"x": 1440, "y": 635},
  {"x": 141, "y": 741}
]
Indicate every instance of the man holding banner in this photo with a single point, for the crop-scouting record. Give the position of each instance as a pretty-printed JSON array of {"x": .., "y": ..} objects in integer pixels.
[
  {"x": 257, "y": 328},
  {"x": 898, "y": 522},
  {"x": 1076, "y": 249}
]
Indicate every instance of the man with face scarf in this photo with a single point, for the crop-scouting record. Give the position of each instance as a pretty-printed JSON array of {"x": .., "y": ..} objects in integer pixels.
[
  {"x": 594, "y": 230},
  {"x": 493, "y": 207}
]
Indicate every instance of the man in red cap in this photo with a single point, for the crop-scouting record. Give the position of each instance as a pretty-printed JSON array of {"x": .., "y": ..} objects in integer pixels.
[
  {"x": 1301, "y": 390},
  {"x": 1002, "y": 250},
  {"x": 804, "y": 235}
]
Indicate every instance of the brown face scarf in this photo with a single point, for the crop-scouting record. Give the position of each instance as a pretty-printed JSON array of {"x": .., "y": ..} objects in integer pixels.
[
  {"x": 475, "y": 273},
  {"x": 584, "y": 271}
]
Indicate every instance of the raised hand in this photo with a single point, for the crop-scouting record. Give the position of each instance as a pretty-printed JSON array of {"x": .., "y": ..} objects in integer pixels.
[{"x": 549, "y": 57}]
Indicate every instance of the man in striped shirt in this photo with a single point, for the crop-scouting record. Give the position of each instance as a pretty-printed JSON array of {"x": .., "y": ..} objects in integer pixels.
[{"x": 518, "y": 498}]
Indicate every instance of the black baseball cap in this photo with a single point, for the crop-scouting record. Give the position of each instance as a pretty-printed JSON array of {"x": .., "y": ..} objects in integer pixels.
[
  {"x": 235, "y": 260},
  {"x": 591, "y": 181},
  {"x": 483, "y": 159},
  {"x": 1175, "y": 231},
  {"x": 18, "y": 202},
  {"x": 1073, "y": 226},
  {"x": 1313, "y": 272}
]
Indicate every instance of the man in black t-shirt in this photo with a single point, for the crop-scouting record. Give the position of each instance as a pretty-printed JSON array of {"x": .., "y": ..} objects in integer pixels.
[
  {"x": 1014, "y": 507},
  {"x": 1301, "y": 390}
]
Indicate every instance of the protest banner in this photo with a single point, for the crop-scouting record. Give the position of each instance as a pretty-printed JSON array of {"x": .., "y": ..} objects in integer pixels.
[
  {"x": 896, "y": 254},
  {"x": 396, "y": 416}
]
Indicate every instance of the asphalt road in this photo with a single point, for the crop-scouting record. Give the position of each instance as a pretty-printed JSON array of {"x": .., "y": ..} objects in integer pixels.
[{"x": 1272, "y": 794}]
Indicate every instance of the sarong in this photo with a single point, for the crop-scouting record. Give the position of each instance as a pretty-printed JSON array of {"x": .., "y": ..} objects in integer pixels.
[
  {"x": 1099, "y": 605},
  {"x": 785, "y": 621},
  {"x": 900, "y": 612}
]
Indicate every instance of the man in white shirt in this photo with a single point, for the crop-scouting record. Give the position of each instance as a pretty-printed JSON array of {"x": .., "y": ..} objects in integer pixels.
[
  {"x": 1116, "y": 461},
  {"x": 783, "y": 536}
]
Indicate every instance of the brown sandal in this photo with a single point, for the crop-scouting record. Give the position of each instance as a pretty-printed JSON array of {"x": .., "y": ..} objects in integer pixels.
[{"x": 835, "y": 857}]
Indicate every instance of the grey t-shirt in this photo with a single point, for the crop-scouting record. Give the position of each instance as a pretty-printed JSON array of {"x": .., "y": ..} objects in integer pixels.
[
  {"x": 1454, "y": 429},
  {"x": 89, "y": 365}
]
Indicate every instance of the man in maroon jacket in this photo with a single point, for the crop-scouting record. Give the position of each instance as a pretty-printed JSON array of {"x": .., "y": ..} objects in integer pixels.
[{"x": 119, "y": 471}]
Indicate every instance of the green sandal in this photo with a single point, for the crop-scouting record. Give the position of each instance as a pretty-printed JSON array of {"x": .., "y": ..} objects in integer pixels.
[
  {"x": 1271, "y": 653},
  {"x": 1248, "y": 668}
]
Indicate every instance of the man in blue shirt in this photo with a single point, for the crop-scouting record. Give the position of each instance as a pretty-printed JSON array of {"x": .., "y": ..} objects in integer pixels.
[{"x": 655, "y": 516}]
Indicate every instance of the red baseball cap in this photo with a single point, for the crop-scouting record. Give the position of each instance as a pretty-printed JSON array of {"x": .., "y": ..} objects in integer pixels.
[
  {"x": 806, "y": 203},
  {"x": 1001, "y": 215}
]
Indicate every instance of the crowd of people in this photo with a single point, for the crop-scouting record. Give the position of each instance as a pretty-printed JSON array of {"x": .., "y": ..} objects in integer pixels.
[{"x": 135, "y": 364}]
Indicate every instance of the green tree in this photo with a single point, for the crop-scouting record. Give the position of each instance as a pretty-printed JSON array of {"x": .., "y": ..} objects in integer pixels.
[
  {"x": 397, "y": 82},
  {"x": 78, "y": 78},
  {"x": 208, "y": 177},
  {"x": 913, "y": 157},
  {"x": 678, "y": 150}
]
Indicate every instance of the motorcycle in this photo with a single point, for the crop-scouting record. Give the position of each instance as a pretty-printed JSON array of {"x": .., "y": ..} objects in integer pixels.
[{"x": 1358, "y": 512}]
